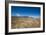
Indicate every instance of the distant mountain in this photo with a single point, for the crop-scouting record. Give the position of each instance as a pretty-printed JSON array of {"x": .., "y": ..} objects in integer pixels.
[
  {"x": 26, "y": 17},
  {"x": 22, "y": 17}
]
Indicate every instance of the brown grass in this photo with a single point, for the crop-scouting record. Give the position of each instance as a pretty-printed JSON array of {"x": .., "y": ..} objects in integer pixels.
[{"x": 24, "y": 23}]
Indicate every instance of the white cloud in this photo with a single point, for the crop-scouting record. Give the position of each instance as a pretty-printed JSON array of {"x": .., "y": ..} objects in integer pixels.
[
  {"x": 34, "y": 16},
  {"x": 17, "y": 14}
]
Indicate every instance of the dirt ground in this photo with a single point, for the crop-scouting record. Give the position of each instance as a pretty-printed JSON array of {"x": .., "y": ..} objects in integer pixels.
[{"x": 24, "y": 23}]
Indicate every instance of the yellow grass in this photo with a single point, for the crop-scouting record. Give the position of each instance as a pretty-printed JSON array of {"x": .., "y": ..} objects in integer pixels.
[{"x": 25, "y": 23}]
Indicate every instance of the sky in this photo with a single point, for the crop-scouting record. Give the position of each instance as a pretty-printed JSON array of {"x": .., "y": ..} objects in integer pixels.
[{"x": 25, "y": 11}]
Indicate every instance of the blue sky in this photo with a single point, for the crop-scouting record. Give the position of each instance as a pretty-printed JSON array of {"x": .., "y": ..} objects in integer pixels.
[{"x": 25, "y": 11}]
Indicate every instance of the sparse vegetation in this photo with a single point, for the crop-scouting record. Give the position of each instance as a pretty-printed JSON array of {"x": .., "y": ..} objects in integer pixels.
[{"x": 21, "y": 22}]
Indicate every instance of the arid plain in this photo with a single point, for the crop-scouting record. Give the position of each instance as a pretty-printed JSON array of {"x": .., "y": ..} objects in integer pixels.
[{"x": 24, "y": 22}]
